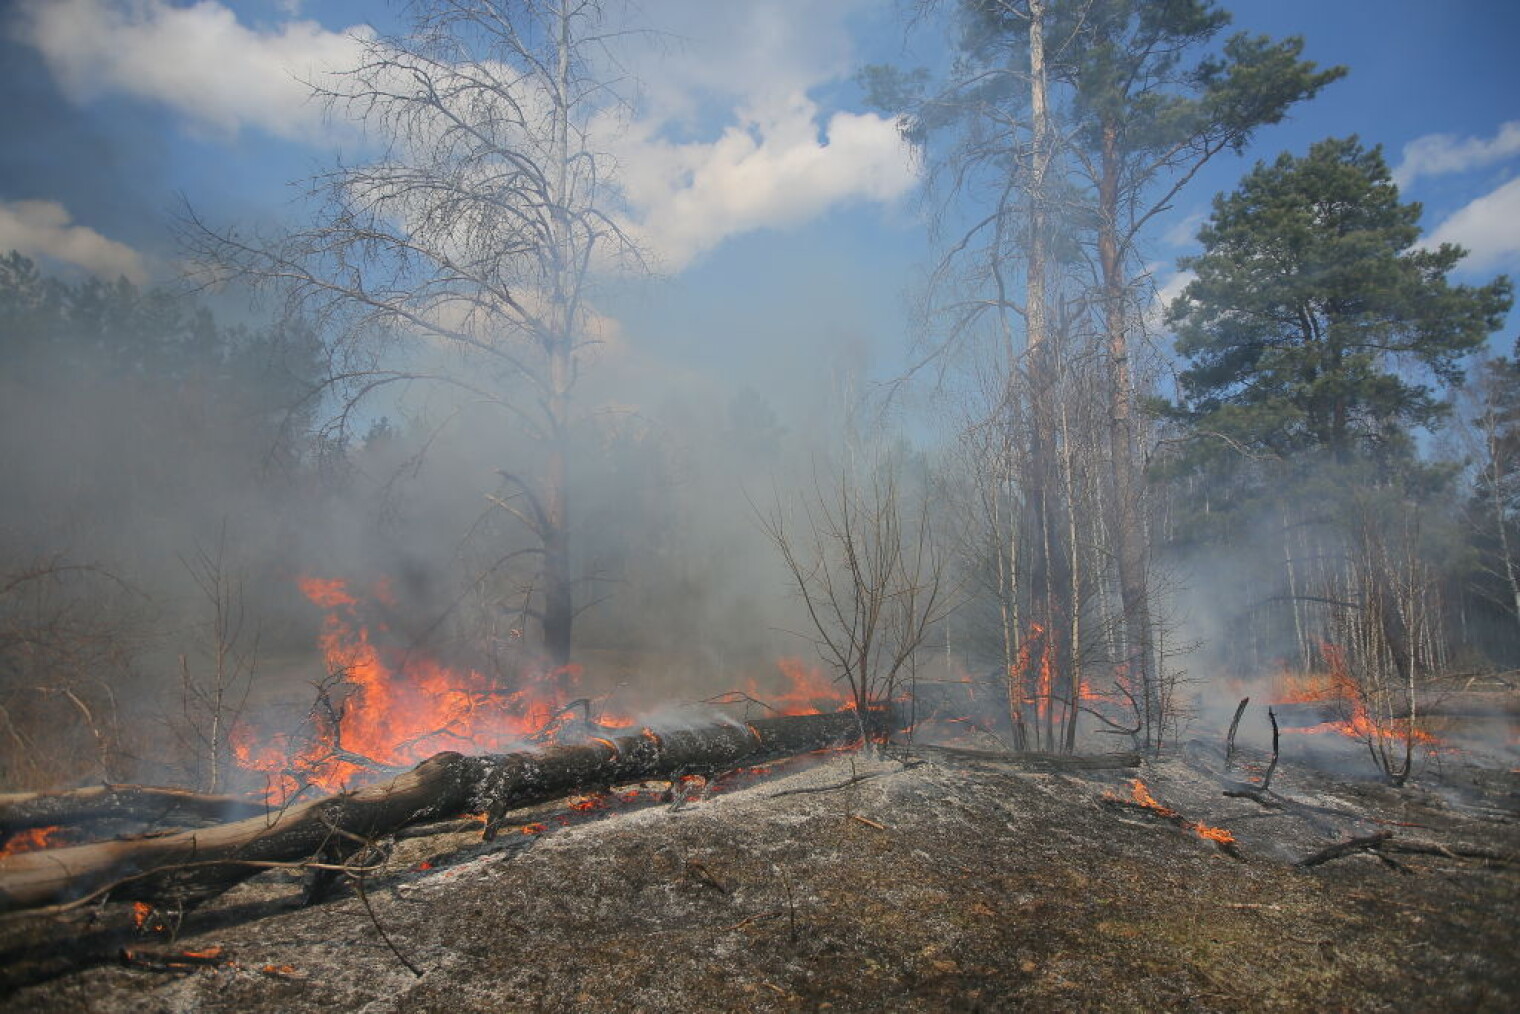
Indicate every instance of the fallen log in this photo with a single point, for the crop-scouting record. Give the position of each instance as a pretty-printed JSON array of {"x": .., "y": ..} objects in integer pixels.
[
  {"x": 186, "y": 868},
  {"x": 20, "y": 811}
]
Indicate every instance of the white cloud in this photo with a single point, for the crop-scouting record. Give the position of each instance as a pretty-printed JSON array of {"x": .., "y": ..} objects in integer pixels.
[
  {"x": 197, "y": 60},
  {"x": 1165, "y": 293},
  {"x": 1438, "y": 154},
  {"x": 775, "y": 168},
  {"x": 43, "y": 229},
  {"x": 726, "y": 137},
  {"x": 1489, "y": 228}
]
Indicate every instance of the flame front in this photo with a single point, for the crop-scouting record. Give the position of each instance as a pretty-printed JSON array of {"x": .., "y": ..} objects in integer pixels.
[
  {"x": 398, "y": 708},
  {"x": 1336, "y": 688}
]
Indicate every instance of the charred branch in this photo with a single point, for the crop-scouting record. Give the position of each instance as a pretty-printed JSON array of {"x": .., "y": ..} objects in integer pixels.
[{"x": 1350, "y": 846}]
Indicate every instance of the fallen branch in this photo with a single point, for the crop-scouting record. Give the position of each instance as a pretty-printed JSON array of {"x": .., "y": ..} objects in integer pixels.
[
  {"x": 1430, "y": 848},
  {"x": 188, "y": 867},
  {"x": 1364, "y": 843},
  {"x": 855, "y": 780}
]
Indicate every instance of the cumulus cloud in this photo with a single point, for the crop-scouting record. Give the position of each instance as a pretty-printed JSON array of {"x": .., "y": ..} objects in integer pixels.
[
  {"x": 45, "y": 229},
  {"x": 726, "y": 136},
  {"x": 197, "y": 60},
  {"x": 776, "y": 167},
  {"x": 1439, "y": 154},
  {"x": 1489, "y": 228}
]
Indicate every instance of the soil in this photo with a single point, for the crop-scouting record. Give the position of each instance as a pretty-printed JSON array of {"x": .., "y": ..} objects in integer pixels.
[{"x": 932, "y": 880}]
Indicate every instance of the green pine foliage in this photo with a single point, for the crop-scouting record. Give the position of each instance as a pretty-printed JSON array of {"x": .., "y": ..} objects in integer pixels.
[{"x": 1315, "y": 323}]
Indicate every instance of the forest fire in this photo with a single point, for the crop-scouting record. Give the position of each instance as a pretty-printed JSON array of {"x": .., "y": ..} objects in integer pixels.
[
  {"x": 396, "y": 707},
  {"x": 1337, "y": 693}
]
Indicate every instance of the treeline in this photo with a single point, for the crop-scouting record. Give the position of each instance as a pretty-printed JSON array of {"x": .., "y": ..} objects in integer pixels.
[{"x": 155, "y": 464}]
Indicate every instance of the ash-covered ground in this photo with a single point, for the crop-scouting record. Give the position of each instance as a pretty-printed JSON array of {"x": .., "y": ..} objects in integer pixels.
[{"x": 931, "y": 881}]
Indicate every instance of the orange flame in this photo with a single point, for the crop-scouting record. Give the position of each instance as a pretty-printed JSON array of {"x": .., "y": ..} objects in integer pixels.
[
  {"x": 1214, "y": 834},
  {"x": 1337, "y": 688},
  {"x": 398, "y": 709},
  {"x": 808, "y": 690},
  {"x": 1144, "y": 798},
  {"x": 32, "y": 839}
]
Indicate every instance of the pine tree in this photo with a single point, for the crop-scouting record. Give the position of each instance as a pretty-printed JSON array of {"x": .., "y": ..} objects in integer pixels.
[{"x": 1315, "y": 323}]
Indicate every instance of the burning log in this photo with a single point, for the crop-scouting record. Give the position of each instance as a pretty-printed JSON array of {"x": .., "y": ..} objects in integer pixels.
[{"x": 189, "y": 867}]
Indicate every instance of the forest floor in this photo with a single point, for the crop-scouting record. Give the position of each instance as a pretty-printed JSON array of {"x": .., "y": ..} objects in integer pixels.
[{"x": 933, "y": 880}]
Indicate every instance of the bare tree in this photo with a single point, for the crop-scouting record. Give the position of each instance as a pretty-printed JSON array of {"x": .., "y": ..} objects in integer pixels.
[
  {"x": 462, "y": 257},
  {"x": 1385, "y": 636},
  {"x": 214, "y": 689},
  {"x": 870, "y": 577},
  {"x": 69, "y": 638}
]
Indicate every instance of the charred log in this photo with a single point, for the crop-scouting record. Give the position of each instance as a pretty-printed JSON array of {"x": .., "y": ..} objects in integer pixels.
[
  {"x": 145, "y": 804},
  {"x": 1229, "y": 742},
  {"x": 186, "y": 868}
]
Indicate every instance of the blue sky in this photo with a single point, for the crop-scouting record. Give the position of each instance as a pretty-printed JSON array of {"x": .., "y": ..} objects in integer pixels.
[{"x": 785, "y": 216}]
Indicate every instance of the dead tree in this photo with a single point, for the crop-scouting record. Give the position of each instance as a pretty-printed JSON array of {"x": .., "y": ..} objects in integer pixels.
[
  {"x": 472, "y": 240},
  {"x": 869, "y": 575}
]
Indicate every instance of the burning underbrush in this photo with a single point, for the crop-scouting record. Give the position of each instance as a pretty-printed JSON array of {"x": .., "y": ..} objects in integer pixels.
[
  {"x": 385, "y": 706},
  {"x": 572, "y": 851}
]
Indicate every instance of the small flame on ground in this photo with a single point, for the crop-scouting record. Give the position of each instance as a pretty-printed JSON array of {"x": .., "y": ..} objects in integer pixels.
[{"x": 1142, "y": 796}]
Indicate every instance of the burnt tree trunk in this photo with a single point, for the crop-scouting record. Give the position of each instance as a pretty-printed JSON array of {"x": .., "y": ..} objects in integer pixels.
[
  {"x": 96, "y": 803},
  {"x": 189, "y": 867}
]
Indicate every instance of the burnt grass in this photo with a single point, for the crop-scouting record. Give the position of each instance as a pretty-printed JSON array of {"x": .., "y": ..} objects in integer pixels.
[{"x": 932, "y": 881}]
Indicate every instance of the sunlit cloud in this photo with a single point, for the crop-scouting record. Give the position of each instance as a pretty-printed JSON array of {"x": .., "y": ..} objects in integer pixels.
[
  {"x": 197, "y": 60},
  {"x": 775, "y": 168},
  {"x": 1441, "y": 154},
  {"x": 726, "y": 137},
  {"x": 1489, "y": 228},
  {"x": 46, "y": 229}
]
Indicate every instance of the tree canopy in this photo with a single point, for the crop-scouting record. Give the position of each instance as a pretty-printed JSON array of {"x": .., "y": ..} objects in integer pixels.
[{"x": 1316, "y": 321}]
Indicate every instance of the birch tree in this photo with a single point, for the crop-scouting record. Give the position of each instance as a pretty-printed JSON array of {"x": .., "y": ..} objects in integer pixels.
[{"x": 462, "y": 257}]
